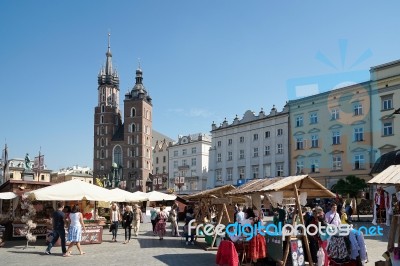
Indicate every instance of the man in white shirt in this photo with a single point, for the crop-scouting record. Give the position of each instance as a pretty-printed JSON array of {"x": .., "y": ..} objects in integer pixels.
[
  {"x": 332, "y": 216},
  {"x": 240, "y": 215}
]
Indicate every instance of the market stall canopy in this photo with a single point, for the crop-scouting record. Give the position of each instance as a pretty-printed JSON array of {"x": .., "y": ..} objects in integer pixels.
[
  {"x": 253, "y": 186},
  {"x": 72, "y": 190},
  {"x": 8, "y": 195},
  {"x": 218, "y": 192},
  {"x": 159, "y": 196},
  {"x": 140, "y": 193},
  {"x": 389, "y": 176},
  {"x": 126, "y": 196},
  {"x": 304, "y": 183}
]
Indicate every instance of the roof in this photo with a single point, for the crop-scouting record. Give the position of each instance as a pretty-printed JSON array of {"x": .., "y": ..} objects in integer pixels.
[
  {"x": 253, "y": 186},
  {"x": 304, "y": 183},
  {"x": 390, "y": 176},
  {"x": 211, "y": 193},
  {"x": 385, "y": 161}
]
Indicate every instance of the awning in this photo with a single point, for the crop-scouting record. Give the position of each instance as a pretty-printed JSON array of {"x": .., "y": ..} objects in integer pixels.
[
  {"x": 8, "y": 195},
  {"x": 126, "y": 196},
  {"x": 389, "y": 176},
  {"x": 72, "y": 190},
  {"x": 159, "y": 196},
  {"x": 304, "y": 183}
]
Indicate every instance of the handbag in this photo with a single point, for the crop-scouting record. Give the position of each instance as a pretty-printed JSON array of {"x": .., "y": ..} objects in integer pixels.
[{"x": 112, "y": 227}]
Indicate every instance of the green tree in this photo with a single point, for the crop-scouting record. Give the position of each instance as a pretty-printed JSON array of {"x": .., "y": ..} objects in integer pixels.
[{"x": 351, "y": 186}]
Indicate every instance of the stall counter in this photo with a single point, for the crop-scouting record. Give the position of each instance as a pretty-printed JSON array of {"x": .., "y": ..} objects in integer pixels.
[{"x": 93, "y": 235}]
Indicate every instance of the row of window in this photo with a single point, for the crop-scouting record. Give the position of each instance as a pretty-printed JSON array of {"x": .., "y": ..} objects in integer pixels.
[
  {"x": 386, "y": 104},
  {"x": 185, "y": 173},
  {"x": 136, "y": 128},
  {"x": 164, "y": 170},
  {"x": 185, "y": 152},
  {"x": 102, "y": 120},
  {"x": 241, "y": 172},
  {"x": 267, "y": 134},
  {"x": 164, "y": 159},
  {"x": 336, "y": 164},
  {"x": 358, "y": 135},
  {"x": 184, "y": 163},
  {"x": 267, "y": 151}
]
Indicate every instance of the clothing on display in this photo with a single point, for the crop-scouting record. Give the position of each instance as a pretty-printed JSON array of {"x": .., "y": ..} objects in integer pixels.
[{"x": 382, "y": 207}]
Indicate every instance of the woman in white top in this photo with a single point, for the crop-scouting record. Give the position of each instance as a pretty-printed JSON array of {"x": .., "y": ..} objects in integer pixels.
[
  {"x": 75, "y": 230},
  {"x": 115, "y": 218}
]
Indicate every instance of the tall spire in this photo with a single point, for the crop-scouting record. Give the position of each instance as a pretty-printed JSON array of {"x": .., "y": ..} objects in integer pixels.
[
  {"x": 108, "y": 75},
  {"x": 109, "y": 55}
]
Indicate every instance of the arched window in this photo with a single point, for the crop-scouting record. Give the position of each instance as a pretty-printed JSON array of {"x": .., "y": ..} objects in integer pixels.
[
  {"x": 101, "y": 119},
  {"x": 102, "y": 142},
  {"x": 133, "y": 127},
  {"x": 102, "y": 108},
  {"x": 102, "y": 132},
  {"x": 102, "y": 154},
  {"x": 133, "y": 112},
  {"x": 117, "y": 155}
]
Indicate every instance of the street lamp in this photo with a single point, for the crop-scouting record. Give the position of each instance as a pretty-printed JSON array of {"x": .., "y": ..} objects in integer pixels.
[
  {"x": 179, "y": 182},
  {"x": 115, "y": 178}
]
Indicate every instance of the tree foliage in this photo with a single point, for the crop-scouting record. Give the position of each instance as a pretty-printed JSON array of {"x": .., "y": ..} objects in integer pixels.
[{"x": 351, "y": 185}]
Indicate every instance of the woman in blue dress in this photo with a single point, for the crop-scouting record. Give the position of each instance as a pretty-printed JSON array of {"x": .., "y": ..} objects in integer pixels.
[{"x": 75, "y": 230}]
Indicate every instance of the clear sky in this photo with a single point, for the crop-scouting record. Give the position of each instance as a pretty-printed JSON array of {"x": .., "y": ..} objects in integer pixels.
[{"x": 202, "y": 61}]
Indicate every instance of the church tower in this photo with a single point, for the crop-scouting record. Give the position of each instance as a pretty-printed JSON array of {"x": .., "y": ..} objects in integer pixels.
[
  {"x": 138, "y": 111},
  {"x": 108, "y": 128}
]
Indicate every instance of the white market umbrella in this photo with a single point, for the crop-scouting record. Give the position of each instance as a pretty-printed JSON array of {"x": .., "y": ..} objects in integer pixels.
[
  {"x": 72, "y": 190},
  {"x": 126, "y": 196},
  {"x": 159, "y": 196},
  {"x": 140, "y": 193},
  {"x": 8, "y": 195}
]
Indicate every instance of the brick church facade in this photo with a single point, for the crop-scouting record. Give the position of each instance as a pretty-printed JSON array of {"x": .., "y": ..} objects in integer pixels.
[{"x": 122, "y": 145}]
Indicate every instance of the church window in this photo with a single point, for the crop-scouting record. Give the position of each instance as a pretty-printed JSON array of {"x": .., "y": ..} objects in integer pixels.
[
  {"x": 117, "y": 155},
  {"x": 133, "y": 112}
]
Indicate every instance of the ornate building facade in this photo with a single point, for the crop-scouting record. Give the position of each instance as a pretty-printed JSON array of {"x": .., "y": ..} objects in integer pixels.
[{"x": 122, "y": 148}]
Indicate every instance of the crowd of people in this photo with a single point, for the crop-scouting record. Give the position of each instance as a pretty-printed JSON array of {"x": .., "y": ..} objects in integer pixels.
[
  {"x": 324, "y": 247},
  {"x": 126, "y": 217}
]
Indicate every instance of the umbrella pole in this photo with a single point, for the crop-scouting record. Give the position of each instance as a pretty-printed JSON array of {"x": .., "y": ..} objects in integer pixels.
[{"x": 95, "y": 211}]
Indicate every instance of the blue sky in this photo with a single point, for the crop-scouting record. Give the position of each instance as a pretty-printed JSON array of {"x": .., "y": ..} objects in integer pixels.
[{"x": 202, "y": 61}]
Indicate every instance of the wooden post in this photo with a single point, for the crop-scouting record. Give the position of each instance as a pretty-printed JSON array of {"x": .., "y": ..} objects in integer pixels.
[
  {"x": 95, "y": 211},
  {"x": 287, "y": 239},
  {"x": 227, "y": 214},
  {"x": 306, "y": 244},
  {"x": 392, "y": 232},
  {"x": 219, "y": 222}
]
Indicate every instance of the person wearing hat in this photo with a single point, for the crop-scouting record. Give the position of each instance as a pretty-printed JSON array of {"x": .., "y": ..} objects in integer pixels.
[{"x": 137, "y": 219}]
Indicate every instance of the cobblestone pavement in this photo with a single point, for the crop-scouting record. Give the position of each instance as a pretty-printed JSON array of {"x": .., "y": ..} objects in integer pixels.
[{"x": 145, "y": 249}]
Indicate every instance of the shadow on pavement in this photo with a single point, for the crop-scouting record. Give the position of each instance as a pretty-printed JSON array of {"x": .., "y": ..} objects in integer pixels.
[
  {"x": 168, "y": 242},
  {"x": 187, "y": 259},
  {"x": 30, "y": 251}
]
